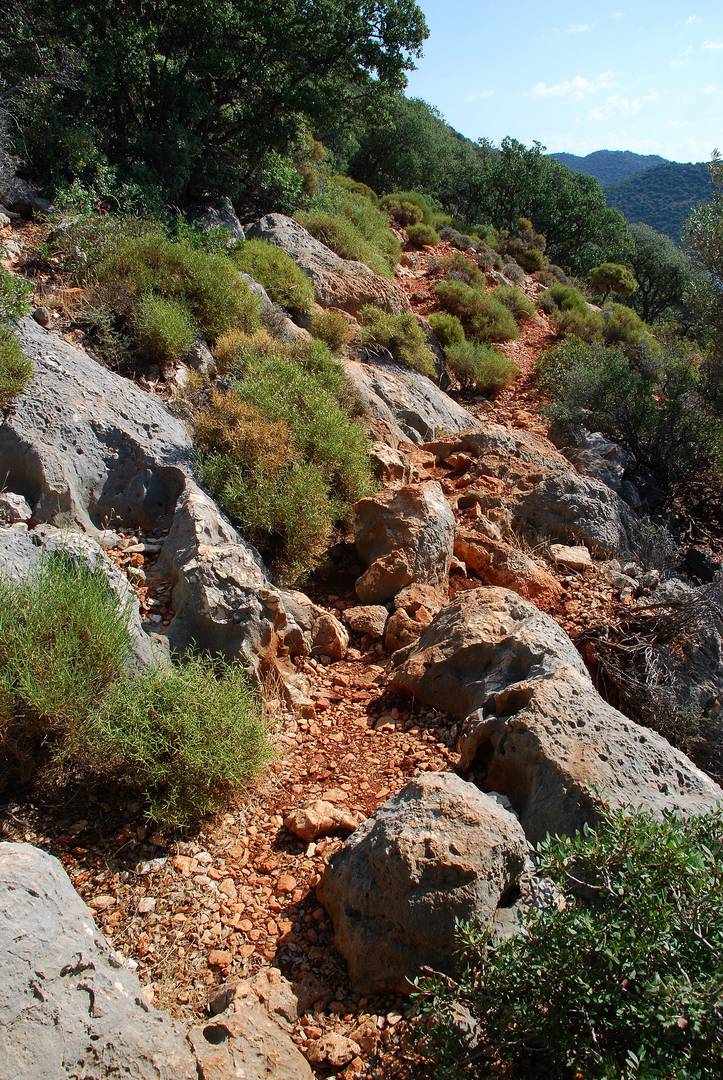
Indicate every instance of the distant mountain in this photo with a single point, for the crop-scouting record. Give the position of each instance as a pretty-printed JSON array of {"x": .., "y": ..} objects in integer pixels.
[
  {"x": 663, "y": 197},
  {"x": 611, "y": 166}
]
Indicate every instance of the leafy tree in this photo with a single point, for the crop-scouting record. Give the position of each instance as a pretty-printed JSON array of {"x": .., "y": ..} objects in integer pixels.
[
  {"x": 661, "y": 270},
  {"x": 704, "y": 233},
  {"x": 611, "y": 278},
  {"x": 190, "y": 96}
]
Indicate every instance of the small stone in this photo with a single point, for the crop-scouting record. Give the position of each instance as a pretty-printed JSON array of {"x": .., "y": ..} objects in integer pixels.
[
  {"x": 321, "y": 818},
  {"x": 14, "y": 508},
  {"x": 575, "y": 558},
  {"x": 286, "y": 884},
  {"x": 147, "y": 905},
  {"x": 333, "y": 1050},
  {"x": 220, "y": 958},
  {"x": 42, "y": 316},
  {"x": 102, "y": 903}
]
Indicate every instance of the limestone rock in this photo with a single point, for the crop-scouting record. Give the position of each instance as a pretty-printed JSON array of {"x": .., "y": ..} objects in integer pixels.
[
  {"x": 86, "y": 446},
  {"x": 13, "y": 508},
  {"x": 414, "y": 521},
  {"x": 69, "y": 1006},
  {"x": 332, "y": 1050},
  {"x": 497, "y": 563},
  {"x": 246, "y": 1042},
  {"x": 411, "y": 406},
  {"x": 536, "y": 728},
  {"x": 320, "y": 818},
  {"x": 438, "y": 851},
  {"x": 573, "y": 558},
  {"x": 385, "y": 577},
  {"x": 368, "y": 620},
  {"x": 339, "y": 283}
]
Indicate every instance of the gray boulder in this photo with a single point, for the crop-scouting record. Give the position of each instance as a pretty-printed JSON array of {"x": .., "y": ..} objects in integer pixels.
[
  {"x": 437, "y": 852},
  {"x": 408, "y": 403},
  {"x": 340, "y": 283},
  {"x": 273, "y": 316},
  {"x": 536, "y": 729},
  {"x": 222, "y": 216},
  {"x": 68, "y": 1004},
  {"x": 403, "y": 536},
  {"x": 600, "y": 458},
  {"x": 85, "y": 446}
]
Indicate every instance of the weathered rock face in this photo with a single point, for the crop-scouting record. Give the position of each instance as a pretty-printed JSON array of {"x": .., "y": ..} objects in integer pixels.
[
  {"x": 338, "y": 282},
  {"x": 410, "y": 405},
  {"x": 69, "y": 1007},
  {"x": 411, "y": 527},
  {"x": 497, "y": 563},
  {"x": 578, "y": 509},
  {"x": 536, "y": 729},
  {"x": 85, "y": 446},
  {"x": 21, "y": 551},
  {"x": 273, "y": 316},
  {"x": 438, "y": 851}
]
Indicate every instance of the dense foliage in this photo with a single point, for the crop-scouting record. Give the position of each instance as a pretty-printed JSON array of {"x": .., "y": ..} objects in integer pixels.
[
  {"x": 196, "y": 101},
  {"x": 16, "y": 370},
  {"x": 185, "y": 736},
  {"x": 620, "y": 978},
  {"x": 662, "y": 197}
]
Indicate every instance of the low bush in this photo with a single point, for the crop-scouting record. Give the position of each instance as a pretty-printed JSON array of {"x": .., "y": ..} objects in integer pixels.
[
  {"x": 422, "y": 235},
  {"x": 493, "y": 321},
  {"x": 561, "y": 297},
  {"x": 459, "y": 299},
  {"x": 622, "y": 325},
  {"x": 285, "y": 283},
  {"x": 332, "y": 327},
  {"x": 611, "y": 277},
  {"x": 650, "y": 399},
  {"x": 401, "y": 212},
  {"x": 458, "y": 267},
  {"x": 342, "y": 236},
  {"x": 401, "y": 335},
  {"x": 14, "y": 293},
  {"x": 480, "y": 367},
  {"x": 352, "y": 226},
  {"x": 619, "y": 979},
  {"x": 16, "y": 370},
  {"x": 162, "y": 329},
  {"x": 209, "y": 284},
  {"x": 356, "y": 188},
  {"x": 520, "y": 305},
  {"x": 447, "y": 329},
  {"x": 187, "y": 736},
  {"x": 586, "y": 325},
  {"x": 529, "y": 258},
  {"x": 391, "y": 202},
  {"x": 513, "y": 271}
]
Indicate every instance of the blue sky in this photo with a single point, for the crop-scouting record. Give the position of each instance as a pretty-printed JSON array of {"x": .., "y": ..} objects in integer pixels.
[{"x": 644, "y": 76}]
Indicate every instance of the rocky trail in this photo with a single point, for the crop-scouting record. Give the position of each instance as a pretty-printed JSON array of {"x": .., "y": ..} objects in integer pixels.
[{"x": 236, "y": 898}]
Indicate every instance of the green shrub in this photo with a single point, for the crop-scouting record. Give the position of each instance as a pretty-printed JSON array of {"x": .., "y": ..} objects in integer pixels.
[
  {"x": 162, "y": 329},
  {"x": 208, "y": 283},
  {"x": 14, "y": 292},
  {"x": 356, "y": 188},
  {"x": 285, "y": 283},
  {"x": 104, "y": 337},
  {"x": 352, "y": 226},
  {"x": 611, "y": 277},
  {"x": 651, "y": 401},
  {"x": 16, "y": 370},
  {"x": 187, "y": 736},
  {"x": 493, "y": 321},
  {"x": 620, "y": 979},
  {"x": 393, "y": 201},
  {"x": 512, "y": 271},
  {"x": 405, "y": 214},
  {"x": 447, "y": 329},
  {"x": 458, "y": 267},
  {"x": 529, "y": 258},
  {"x": 622, "y": 325},
  {"x": 480, "y": 367},
  {"x": 332, "y": 327},
  {"x": 401, "y": 335},
  {"x": 520, "y": 305},
  {"x": 586, "y": 325},
  {"x": 343, "y": 237},
  {"x": 459, "y": 299},
  {"x": 561, "y": 297},
  {"x": 422, "y": 235}
]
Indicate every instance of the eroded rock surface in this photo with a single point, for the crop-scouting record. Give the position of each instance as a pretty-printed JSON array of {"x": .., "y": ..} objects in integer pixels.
[{"x": 438, "y": 851}]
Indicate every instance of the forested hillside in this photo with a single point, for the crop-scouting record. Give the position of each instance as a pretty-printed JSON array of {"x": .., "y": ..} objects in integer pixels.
[
  {"x": 361, "y": 587},
  {"x": 663, "y": 197},
  {"x": 611, "y": 166}
]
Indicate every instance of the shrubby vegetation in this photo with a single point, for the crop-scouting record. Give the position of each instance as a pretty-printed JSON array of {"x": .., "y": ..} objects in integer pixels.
[
  {"x": 480, "y": 367},
  {"x": 610, "y": 278},
  {"x": 184, "y": 736},
  {"x": 351, "y": 225},
  {"x": 447, "y": 329},
  {"x": 401, "y": 335},
  {"x": 279, "y": 449},
  {"x": 16, "y": 371},
  {"x": 422, "y": 235},
  {"x": 285, "y": 283},
  {"x": 332, "y": 327},
  {"x": 621, "y": 978},
  {"x": 651, "y": 398},
  {"x": 520, "y": 305}
]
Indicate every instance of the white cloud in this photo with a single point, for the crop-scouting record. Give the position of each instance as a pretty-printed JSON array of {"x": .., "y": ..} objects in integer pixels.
[
  {"x": 578, "y": 87},
  {"x": 712, "y": 44},
  {"x": 618, "y": 15},
  {"x": 621, "y": 106},
  {"x": 479, "y": 96},
  {"x": 692, "y": 19},
  {"x": 710, "y": 90},
  {"x": 576, "y": 28}
]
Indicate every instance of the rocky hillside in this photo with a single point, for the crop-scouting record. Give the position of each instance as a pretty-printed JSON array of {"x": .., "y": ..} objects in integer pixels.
[{"x": 438, "y": 690}]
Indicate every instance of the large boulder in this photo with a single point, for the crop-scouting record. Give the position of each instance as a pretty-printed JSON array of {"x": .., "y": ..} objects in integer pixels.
[
  {"x": 68, "y": 1004},
  {"x": 411, "y": 406},
  {"x": 88, "y": 447},
  {"x": 535, "y": 727},
  {"x": 438, "y": 852},
  {"x": 403, "y": 536},
  {"x": 339, "y": 283}
]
